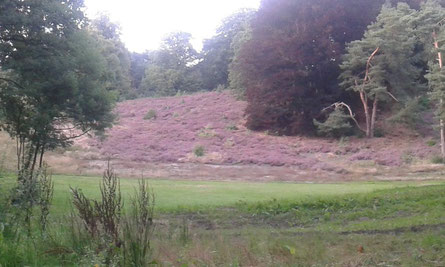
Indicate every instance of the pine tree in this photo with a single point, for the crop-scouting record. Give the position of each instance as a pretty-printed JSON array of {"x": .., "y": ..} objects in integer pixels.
[{"x": 383, "y": 64}]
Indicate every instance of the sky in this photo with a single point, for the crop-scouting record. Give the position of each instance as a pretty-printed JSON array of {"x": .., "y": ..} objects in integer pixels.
[{"x": 145, "y": 22}]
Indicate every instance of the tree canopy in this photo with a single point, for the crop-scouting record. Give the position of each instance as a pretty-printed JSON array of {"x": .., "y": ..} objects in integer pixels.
[
  {"x": 291, "y": 63},
  {"x": 52, "y": 77}
]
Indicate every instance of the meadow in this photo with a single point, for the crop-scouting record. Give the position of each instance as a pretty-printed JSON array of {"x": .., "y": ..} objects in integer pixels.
[{"x": 261, "y": 224}]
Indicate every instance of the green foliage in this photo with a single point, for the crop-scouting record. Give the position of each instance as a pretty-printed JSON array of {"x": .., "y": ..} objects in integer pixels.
[
  {"x": 151, "y": 115},
  {"x": 336, "y": 125},
  {"x": 437, "y": 160},
  {"x": 102, "y": 218},
  {"x": 218, "y": 52},
  {"x": 138, "y": 228},
  {"x": 410, "y": 113},
  {"x": 171, "y": 68},
  {"x": 37, "y": 190},
  {"x": 236, "y": 82},
  {"x": 394, "y": 66},
  {"x": 431, "y": 143},
  {"x": 52, "y": 77},
  {"x": 117, "y": 58},
  {"x": 199, "y": 151},
  {"x": 376, "y": 205}
]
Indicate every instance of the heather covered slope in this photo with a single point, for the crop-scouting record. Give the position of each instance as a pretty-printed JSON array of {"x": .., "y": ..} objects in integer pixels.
[{"x": 216, "y": 120}]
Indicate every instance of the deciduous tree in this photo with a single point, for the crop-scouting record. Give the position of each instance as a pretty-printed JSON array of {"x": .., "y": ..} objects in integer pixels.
[{"x": 51, "y": 86}]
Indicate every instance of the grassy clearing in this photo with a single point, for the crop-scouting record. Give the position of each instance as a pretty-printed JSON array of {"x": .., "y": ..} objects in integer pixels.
[
  {"x": 263, "y": 224},
  {"x": 181, "y": 196}
]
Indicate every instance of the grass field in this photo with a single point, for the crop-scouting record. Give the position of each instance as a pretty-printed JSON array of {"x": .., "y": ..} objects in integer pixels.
[
  {"x": 198, "y": 195},
  {"x": 263, "y": 224}
]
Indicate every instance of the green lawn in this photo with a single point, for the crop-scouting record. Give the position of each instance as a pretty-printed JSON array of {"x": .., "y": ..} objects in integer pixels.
[
  {"x": 195, "y": 195},
  {"x": 269, "y": 224}
]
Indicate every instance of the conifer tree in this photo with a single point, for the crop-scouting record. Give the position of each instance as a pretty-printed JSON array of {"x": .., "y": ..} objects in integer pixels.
[{"x": 383, "y": 64}]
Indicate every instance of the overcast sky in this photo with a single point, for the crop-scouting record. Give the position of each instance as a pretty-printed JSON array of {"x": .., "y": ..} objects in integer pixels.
[{"x": 145, "y": 22}]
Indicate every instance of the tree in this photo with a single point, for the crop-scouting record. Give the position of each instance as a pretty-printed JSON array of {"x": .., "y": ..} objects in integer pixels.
[
  {"x": 139, "y": 62},
  {"x": 172, "y": 68},
  {"x": 236, "y": 82},
  {"x": 217, "y": 52},
  {"x": 430, "y": 21},
  {"x": 291, "y": 64},
  {"x": 117, "y": 77},
  {"x": 383, "y": 63},
  {"x": 51, "y": 86}
]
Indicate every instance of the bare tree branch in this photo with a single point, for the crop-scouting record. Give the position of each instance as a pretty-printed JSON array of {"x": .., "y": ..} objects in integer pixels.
[
  {"x": 12, "y": 81},
  {"x": 351, "y": 114}
]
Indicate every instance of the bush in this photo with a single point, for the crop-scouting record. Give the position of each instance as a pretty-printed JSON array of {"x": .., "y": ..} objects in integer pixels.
[
  {"x": 119, "y": 240},
  {"x": 431, "y": 143},
  {"x": 151, "y": 115},
  {"x": 437, "y": 160},
  {"x": 199, "y": 151},
  {"x": 138, "y": 228},
  {"x": 410, "y": 113},
  {"x": 336, "y": 125},
  {"x": 379, "y": 133},
  {"x": 232, "y": 127}
]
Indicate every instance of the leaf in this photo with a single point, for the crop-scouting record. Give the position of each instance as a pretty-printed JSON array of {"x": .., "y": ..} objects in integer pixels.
[{"x": 291, "y": 250}]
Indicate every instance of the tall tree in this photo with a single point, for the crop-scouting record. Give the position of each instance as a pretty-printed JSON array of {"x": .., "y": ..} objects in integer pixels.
[
  {"x": 217, "y": 52},
  {"x": 431, "y": 30},
  {"x": 117, "y": 56},
  {"x": 172, "y": 68},
  {"x": 139, "y": 62},
  {"x": 51, "y": 86},
  {"x": 384, "y": 63},
  {"x": 291, "y": 63},
  {"x": 236, "y": 80}
]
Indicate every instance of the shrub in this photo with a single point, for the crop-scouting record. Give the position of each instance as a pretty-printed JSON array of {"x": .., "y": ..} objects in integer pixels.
[
  {"x": 151, "y": 115},
  {"x": 46, "y": 194},
  {"x": 379, "y": 133},
  {"x": 336, "y": 125},
  {"x": 138, "y": 228},
  {"x": 410, "y": 113},
  {"x": 407, "y": 157},
  {"x": 34, "y": 189},
  {"x": 437, "y": 160},
  {"x": 120, "y": 240},
  {"x": 199, "y": 151},
  {"x": 431, "y": 143},
  {"x": 220, "y": 88},
  {"x": 232, "y": 127},
  {"x": 101, "y": 217},
  {"x": 207, "y": 132}
]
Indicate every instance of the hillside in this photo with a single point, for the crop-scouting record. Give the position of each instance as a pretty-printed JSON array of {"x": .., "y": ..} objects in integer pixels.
[{"x": 164, "y": 146}]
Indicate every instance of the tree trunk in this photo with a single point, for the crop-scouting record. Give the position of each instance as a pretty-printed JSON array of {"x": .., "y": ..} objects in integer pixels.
[
  {"x": 41, "y": 156},
  {"x": 364, "y": 99},
  {"x": 442, "y": 138},
  {"x": 374, "y": 115},
  {"x": 442, "y": 126}
]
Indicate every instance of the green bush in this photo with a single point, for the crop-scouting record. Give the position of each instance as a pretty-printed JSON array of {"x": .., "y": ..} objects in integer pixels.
[
  {"x": 410, "y": 113},
  {"x": 431, "y": 143},
  {"x": 232, "y": 127},
  {"x": 437, "y": 160},
  {"x": 379, "y": 133},
  {"x": 336, "y": 125},
  {"x": 151, "y": 115},
  {"x": 199, "y": 151}
]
